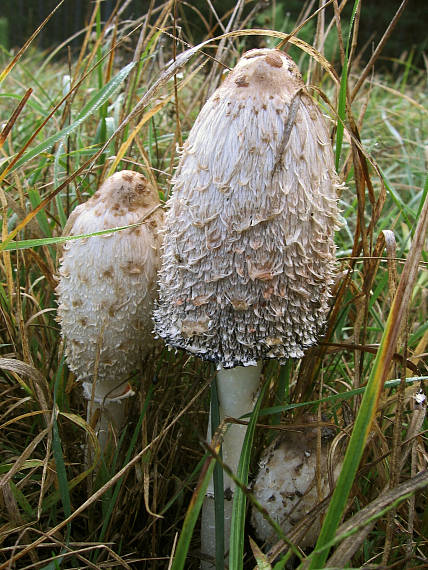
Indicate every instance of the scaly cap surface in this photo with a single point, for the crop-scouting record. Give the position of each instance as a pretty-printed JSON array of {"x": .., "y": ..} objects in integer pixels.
[
  {"x": 248, "y": 256},
  {"x": 107, "y": 283}
]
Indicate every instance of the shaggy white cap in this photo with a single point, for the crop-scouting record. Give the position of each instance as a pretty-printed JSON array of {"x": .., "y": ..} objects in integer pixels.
[
  {"x": 248, "y": 255},
  {"x": 108, "y": 283},
  {"x": 286, "y": 485}
]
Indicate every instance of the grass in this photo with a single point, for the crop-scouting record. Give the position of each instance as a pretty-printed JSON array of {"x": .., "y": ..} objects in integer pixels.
[{"x": 67, "y": 123}]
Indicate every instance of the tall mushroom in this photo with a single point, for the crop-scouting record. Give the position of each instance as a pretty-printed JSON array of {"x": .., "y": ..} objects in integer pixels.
[
  {"x": 248, "y": 256},
  {"x": 106, "y": 290}
]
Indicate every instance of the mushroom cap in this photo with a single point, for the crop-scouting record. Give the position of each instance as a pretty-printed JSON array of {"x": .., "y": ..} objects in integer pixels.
[
  {"x": 107, "y": 283},
  {"x": 286, "y": 484},
  {"x": 248, "y": 256}
]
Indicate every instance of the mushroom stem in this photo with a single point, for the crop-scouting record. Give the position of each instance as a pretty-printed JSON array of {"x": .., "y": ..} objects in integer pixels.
[
  {"x": 109, "y": 400},
  {"x": 237, "y": 394}
]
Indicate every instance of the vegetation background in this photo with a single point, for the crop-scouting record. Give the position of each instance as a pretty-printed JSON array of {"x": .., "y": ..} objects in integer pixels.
[
  {"x": 73, "y": 110},
  {"x": 24, "y": 15}
]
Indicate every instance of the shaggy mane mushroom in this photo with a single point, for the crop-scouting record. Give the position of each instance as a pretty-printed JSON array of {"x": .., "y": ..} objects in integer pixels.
[
  {"x": 106, "y": 291},
  {"x": 249, "y": 256}
]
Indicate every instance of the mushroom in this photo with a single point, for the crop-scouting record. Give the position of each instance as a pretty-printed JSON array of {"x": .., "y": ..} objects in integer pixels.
[
  {"x": 248, "y": 257},
  {"x": 106, "y": 290},
  {"x": 288, "y": 486}
]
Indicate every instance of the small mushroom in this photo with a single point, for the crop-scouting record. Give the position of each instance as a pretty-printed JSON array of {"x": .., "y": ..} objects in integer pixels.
[
  {"x": 106, "y": 290},
  {"x": 288, "y": 486},
  {"x": 249, "y": 256}
]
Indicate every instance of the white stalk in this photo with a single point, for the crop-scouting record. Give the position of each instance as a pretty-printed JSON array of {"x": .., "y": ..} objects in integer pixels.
[
  {"x": 109, "y": 400},
  {"x": 237, "y": 394}
]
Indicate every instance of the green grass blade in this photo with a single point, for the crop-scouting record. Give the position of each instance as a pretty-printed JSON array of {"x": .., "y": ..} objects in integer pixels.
[
  {"x": 405, "y": 211},
  {"x": 30, "y": 243},
  {"x": 93, "y": 105},
  {"x": 236, "y": 554},
  {"x": 54, "y": 565},
  {"x": 282, "y": 389},
  {"x": 21, "y": 500},
  {"x": 340, "y": 396},
  {"x": 218, "y": 480},
  {"x": 28, "y": 464},
  {"x": 57, "y": 173},
  {"x": 51, "y": 500},
  {"x": 41, "y": 217},
  {"x": 351, "y": 462},
  {"x": 192, "y": 515},
  {"x": 341, "y": 110},
  {"x": 371, "y": 395},
  {"x": 34, "y": 105},
  {"x": 422, "y": 202},
  {"x": 60, "y": 464},
  {"x": 99, "y": 50},
  {"x": 188, "y": 481}
]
